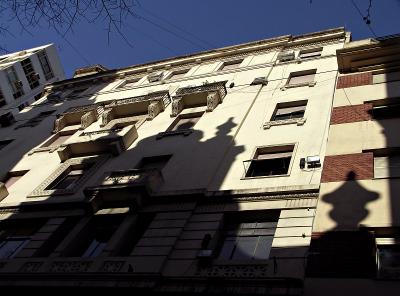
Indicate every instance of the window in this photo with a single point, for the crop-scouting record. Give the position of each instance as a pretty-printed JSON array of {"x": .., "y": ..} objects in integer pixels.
[
  {"x": 310, "y": 53},
  {"x": 31, "y": 76},
  {"x": 45, "y": 64},
  {"x": 185, "y": 122},
  {"x": 270, "y": 161},
  {"x": 22, "y": 106},
  {"x": 2, "y": 99},
  {"x": 6, "y": 119},
  {"x": 37, "y": 119},
  {"x": 37, "y": 97},
  {"x": 14, "y": 237},
  {"x": 77, "y": 92},
  {"x": 15, "y": 83},
  {"x": 69, "y": 178},
  {"x": 4, "y": 143},
  {"x": 178, "y": 74},
  {"x": 290, "y": 110},
  {"x": 386, "y": 111},
  {"x": 388, "y": 257},
  {"x": 248, "y": 235},
  {"x": 13, "y": 177},
  {"x": 154, "y": 162},
  {"x": 302, "y": 77},
  {"x": 101, "y": 228},
  {"x": 230, "y": 65},
  {"x": 386, "y": 164}
]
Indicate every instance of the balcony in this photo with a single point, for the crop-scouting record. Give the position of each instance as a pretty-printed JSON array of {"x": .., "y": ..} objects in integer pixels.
[
  {"x": 83, "y": 115},
  {"x": 150, "y": 105},
  {"x": 209, "y": 95},
  {"x": 112, "y": 141},
  {"x": 128, "y": 186}
]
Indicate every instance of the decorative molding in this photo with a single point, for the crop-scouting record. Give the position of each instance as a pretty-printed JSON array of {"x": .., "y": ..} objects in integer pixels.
[
  {"x": 309, "y": 84},
  {"x": 298, "y": 121},
  {"x": 88, "y": 118},
  {"x": 31, "y": 266},
  {"x": 3, "y": 191},
  {"x": 60, "y": 123},
  {"x": 235, "y": 271},
  {"x": 154, "y": 109},
  {"x": 112, "y": 266},
  {"x": 213, "y": 99},
  {"x": 70, "y": 266},
  {"x": 177, "y": 106},
  {"x": 41, "y": 190},
  {"x": 139, "y": 119},
  {"x": 106, "y": 116}
]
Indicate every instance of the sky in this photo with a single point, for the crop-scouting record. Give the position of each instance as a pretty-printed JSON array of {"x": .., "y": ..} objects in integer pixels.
[{"x": 168, "y": 28}]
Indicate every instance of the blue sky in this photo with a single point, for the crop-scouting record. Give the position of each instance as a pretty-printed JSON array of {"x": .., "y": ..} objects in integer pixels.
[{"x": 160, "y": 30}]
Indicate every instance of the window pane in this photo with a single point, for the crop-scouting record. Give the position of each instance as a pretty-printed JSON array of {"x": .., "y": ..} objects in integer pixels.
[
  {"x": 227, "y": 248},
  {"x": 263, "y": 248},
  {"x": 245, "y": 247},
  {"x": 10, "y": 247},
  {"x": 302, "y": 79}
]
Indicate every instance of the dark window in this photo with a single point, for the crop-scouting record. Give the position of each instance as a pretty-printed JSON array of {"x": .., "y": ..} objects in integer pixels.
[
  {"x": 45, "y": 64},
  {"x": 4, "y": 143},
  {"x": 101, "y": 228},
  {"x": 301, "y": 77},
  {"x": 38, "y": 96},
  {"x": 270, "y": 161},
  {"x": 231, "y": 65},
  {"x": 14, "y": 236},
  {"x": 290, "y": 110},
  {"x": 386, "y": 111},
  {"x": 13, "y": 177},
  {"x": 248, "y": 235},
  {"x": 15, "y": 83},
  {"x": 310, "y": 53},
  {"x": 30, "y": 74},
  {"x": 388, "y": 255},
  {"x": 154, "y": 162},
  {"x": 185, "y": 122}
]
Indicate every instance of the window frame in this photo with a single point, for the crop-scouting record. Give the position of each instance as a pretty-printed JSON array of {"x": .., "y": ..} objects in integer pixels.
[
  {"x": 43, "y": 189},
  {"x": 271, "y": 147},
  {"x": 379, "y": 155},
  {"x": 44, "y": 61},
  {"x": 181, "y": 116},
  {"x": 286, "y": 105},
  {"x": 317, "y": 50},
  {"x": 237, "y": 62},
  {"x": 299, "y": 74}
]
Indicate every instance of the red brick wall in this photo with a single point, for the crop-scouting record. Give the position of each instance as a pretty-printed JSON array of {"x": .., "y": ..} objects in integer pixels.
[
  {"x": 337, "y": 167},
  {"x": 353, "y": 113},
  {"x": 354, "y": 80}
]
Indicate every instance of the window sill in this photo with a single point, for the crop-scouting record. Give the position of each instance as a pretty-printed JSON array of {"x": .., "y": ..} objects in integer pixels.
[
  {"x": 309, "y": 84},
  {"x": 297, "y": 121},
  {"x": 260, "y": 177},
  {"x": 185, "y": 133},
  {"x": 49, "y": 149}
]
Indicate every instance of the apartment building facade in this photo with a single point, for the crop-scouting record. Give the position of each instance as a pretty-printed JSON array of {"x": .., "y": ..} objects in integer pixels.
[
  {"x": 355, "y": 241},
  {"x": 23, "y": 75},
  {"x": 197, "y": 174}
]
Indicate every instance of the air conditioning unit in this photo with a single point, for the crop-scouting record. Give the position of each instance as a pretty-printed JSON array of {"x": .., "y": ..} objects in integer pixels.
[
  {"x": 18, "y": 83},
  {"x": 287, "y": 55},
  {"x": 313, "y": 161},
  {"x": 260, "y": 81},
  {"x": 155, "y": 77}
]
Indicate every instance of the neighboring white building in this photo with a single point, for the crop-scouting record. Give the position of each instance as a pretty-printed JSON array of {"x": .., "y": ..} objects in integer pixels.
[{"x": 23, "y": 75}]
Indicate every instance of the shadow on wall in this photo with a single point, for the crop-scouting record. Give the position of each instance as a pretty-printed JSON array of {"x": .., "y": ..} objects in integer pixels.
[{"x": 348, "y": 250}]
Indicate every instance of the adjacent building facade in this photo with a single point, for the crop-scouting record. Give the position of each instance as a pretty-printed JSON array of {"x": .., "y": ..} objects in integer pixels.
[
  {"x": 23, "y": 75},
  {"x": 198, "y": 174},
  {"x": 355, "y": 241}
]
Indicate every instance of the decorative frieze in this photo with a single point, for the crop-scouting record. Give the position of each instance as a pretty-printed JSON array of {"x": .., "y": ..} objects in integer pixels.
[
  {"x": 70, "y": 266},
  {"x": 60, "y": 123},
  {"x": 235, "y": 271},
  {"x": 106, "y": 116},
  {"x": 154, "y": 109},
  {"x": 112, "y": 266},
  {"x": 31, "y": 266}
]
